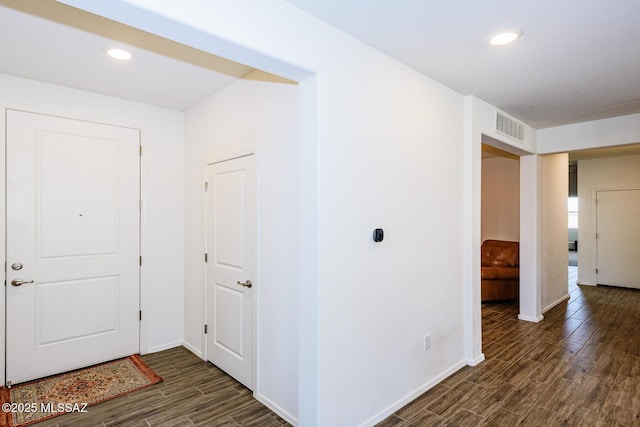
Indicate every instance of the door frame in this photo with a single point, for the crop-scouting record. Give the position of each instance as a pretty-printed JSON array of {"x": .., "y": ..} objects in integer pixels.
[
  {"x": 220, "y": 158},
  {"x": 75, "y": 114},
  {"x": 594, "y": 219}
]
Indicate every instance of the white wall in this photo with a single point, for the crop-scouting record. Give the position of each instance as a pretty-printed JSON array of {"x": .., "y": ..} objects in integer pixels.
[
  {"x": 388, "y": 158},
  {"x": 599, "y": 174},
  {"x": 554, "y": 190},
  {"x": 261, "y": 114},
  {"x": 388, "y": 142},
  {"x": 162, "y": 178},
  {"x": 544, "y": 187},
  {"x": 597, "y": 133},
  {"x": 501, "y": 199},
  {"x": 530, "y": 257}
]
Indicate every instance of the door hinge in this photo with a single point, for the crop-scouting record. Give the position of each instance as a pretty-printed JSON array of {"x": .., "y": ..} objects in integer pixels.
[
  {"x": 141, "y": 151},
  {"x": 596, "y": 236},
  {"x": 141, "y": 205},
  {"x": 206, "y": 257},
  {"x": 140, "y": 315},
  {"x": 140, "y": 259},
  {"x": 596, "y": 201},
  {"x": 205, "y": 329},
  {"x": 596, "y": 271},
  {"x": 206, "y": 186}
]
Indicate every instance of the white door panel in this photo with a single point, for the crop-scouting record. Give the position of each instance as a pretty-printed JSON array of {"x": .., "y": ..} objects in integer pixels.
[
  {"x": 73, "y": 223},
  {"x": 618, "y": 242},
  {"x": 228, "y": 320},
  {"x": 78, "y": 206},
  {"x": 230, "y": 241},
  {"x": 93, "y": 300}
]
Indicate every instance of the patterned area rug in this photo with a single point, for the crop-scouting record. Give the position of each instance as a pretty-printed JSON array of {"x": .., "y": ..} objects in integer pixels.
[{"x": 39, "y": 400}]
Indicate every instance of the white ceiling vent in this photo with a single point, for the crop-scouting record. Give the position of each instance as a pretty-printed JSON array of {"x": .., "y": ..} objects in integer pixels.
[{"x": 509, "y": 127}]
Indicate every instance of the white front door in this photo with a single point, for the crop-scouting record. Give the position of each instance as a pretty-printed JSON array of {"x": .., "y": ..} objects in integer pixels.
[
  {"x": 231, "y": 203},
  {"x": 73, "y": 233},
  {"x": 618, "y": 238}
]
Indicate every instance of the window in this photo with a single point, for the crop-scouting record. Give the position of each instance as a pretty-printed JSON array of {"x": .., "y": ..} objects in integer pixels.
[{"x": 573, "y": 212}]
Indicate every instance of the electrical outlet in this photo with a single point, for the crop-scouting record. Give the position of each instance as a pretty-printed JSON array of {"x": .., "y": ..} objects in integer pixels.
[{"x": 427, "y": 341}]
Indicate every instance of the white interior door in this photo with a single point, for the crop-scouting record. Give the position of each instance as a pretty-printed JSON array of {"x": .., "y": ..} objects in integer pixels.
[
  {"x": 231, "y": 201},
  {"x": 618, "y": 240},
  {"x": 73, "y": 239}
]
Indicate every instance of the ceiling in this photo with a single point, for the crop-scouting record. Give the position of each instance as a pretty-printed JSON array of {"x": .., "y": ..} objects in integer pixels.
[
  {"x": 68, "y": 48},
  {"x": 577, "y": 60}
]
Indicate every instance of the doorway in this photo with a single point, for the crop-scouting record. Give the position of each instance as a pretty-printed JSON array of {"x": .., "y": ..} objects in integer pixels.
[
  {"x": 500, "y": 226},
  {"x": 73, "y": 244},
  {"x": 617, "y": 237},
  {"x": 230, "y": 268}
]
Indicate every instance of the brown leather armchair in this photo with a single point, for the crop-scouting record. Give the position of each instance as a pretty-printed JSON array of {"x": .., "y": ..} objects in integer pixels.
[{"x": 500, "y": 263}]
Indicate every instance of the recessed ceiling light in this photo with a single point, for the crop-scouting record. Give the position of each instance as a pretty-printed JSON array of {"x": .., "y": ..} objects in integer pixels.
[
  {"x": 119, "y": 54},
  {"x": 504, "y": 38}
]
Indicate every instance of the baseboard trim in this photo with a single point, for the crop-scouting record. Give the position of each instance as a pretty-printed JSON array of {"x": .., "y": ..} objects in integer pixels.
[
  {"x": 476, "y": 360},
  {"x": 193, "y": 349},
  {"x": 163, "y": 347},
  {"x": 530, "y": 319},
  {"x": 389, "y": 410},
  {"x": 553, "y": 304},
  {"x": 586, "y": 284},
  {"x": 277, "y": 409}
]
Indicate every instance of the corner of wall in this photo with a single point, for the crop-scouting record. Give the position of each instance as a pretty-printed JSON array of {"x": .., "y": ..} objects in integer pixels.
[
  {"x": 472, "y": 228},
  {"x": 193, "y": 349}
]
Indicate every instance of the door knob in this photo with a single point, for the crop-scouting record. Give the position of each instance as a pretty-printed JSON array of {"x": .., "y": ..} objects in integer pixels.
[
  {"x": 19, "y": 282},
  {"x": 246, "y": 284}
]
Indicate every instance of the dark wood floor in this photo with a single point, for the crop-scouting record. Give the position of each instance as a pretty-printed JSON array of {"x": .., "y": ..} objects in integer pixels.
[
  {"x": 193, "y": 393},
  {"x": 580, "y": 366}
]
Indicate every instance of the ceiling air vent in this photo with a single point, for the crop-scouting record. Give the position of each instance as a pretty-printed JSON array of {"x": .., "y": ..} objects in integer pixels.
[{"x": 510, "y": 127}]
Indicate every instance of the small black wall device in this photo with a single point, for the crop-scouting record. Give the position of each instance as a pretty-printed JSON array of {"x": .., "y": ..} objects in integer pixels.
[{"x": 378, "y": 235}]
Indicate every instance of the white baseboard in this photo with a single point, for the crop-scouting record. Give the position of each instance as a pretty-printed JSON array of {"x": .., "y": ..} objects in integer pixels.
[
  {"x": 476, "y": 360},
  {"x": 277, "y": 409},
  {"x": 530, "y": 319},
  {"x": 193, "y": 349},
  {"x": 163, "y": 347},
  {"x": 553, "y": 304},
  {"x": 380, "y": 416},
  {"x": 586, "y": 284}
]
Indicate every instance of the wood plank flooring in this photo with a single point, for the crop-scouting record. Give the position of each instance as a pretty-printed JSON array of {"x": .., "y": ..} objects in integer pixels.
[
  {"x": 580, "y": 366},
  {"x": 193, "y": 393}
]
